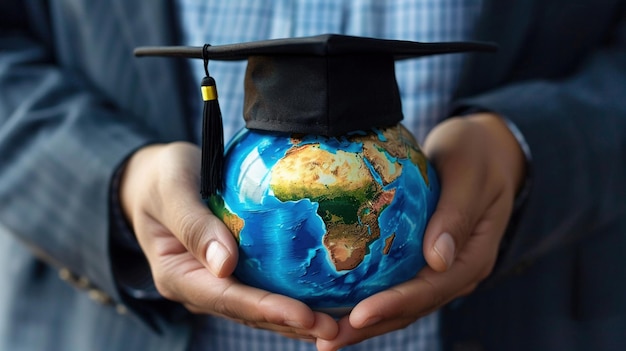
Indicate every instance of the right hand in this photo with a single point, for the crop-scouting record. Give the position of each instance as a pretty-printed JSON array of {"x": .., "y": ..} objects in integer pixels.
[
  {"x": 481, "y": 167},
  {"x": 192, "y": 254}
]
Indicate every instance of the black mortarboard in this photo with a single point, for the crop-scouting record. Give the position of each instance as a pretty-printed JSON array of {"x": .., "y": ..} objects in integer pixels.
[{"x": 327, "y": 85}]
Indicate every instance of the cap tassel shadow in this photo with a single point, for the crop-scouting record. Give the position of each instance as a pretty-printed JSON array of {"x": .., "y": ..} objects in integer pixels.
[{"x": 212, "y": 166}]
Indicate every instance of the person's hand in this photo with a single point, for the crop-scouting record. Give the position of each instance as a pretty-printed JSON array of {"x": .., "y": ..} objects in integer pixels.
[
  {"x": 192, "y": 253},
  {"x": 480, "y": 167}
]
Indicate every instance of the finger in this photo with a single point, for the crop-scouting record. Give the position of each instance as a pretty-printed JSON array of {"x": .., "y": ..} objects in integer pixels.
[
  {"x": 324, "y": 327},
  {"x": 402, "y": 305},
  {"x": 409, "y": 300},
  {"x": 202, "y": 293},
  {"x": 204, "y": 236},
  {"x": 180, "y": 277},
  {"x": 228, "y": 298},
  {"x": 348, "y": 335},
  {"x": 460, "y": 206},
  {"x": 309, "y": 339},
  {"x": 461, "y": 179},
  {"x": 430, "y": 290},
  {"x": 449, "y": 228},
  {"x": 457, "y": 148}
]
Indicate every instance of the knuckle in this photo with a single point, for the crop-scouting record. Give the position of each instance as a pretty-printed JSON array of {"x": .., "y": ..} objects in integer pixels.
[
  {"x": 219, "y": 304},
  {"x": 219, "y": 307},
  {"x": 461, "y": 220},
  {"x": 437, "y": 300},
  {"x": 190, "y": 227}
]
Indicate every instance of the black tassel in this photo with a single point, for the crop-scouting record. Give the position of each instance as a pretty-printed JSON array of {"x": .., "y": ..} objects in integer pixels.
[{"x": 212, "y": 166}]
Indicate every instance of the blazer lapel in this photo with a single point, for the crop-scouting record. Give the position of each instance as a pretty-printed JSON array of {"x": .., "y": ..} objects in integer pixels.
[
  {"x": 160, "y": 80},
  {"x": 505, "y": 23}
]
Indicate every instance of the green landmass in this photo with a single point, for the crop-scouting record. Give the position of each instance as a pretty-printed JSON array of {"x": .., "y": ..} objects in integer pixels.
[
  {"x": 233, "y": 222},
  {"x": 349, "y": 198}
]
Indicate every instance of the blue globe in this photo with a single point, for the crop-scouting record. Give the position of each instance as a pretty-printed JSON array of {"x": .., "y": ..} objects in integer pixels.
[{"x": 327, "y": 220}]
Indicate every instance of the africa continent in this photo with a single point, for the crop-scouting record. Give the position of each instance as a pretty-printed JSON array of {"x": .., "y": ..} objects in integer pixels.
[{"x": 348, "y": 187}]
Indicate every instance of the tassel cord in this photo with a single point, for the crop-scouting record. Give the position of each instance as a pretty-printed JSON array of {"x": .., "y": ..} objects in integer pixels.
[{"x": 211, "y": 172}]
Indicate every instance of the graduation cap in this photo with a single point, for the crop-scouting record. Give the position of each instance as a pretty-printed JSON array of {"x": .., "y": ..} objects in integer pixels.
[{"x": 327, "y": 85}]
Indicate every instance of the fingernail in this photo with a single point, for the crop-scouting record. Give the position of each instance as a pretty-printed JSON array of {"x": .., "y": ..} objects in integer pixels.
[
  {"x": 216, "y": 255},
  {"x": 444, "y": 247},
  {"x": 294, "y": 324},
  {"x": 371, "y": 321}
]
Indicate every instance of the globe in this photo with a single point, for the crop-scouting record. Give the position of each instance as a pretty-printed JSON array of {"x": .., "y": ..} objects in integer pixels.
[{"x": 327, "y": 220}]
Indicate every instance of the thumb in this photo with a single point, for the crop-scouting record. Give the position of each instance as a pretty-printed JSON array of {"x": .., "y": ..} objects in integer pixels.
[
  {"x": 445, "y": 235},
  {"x": 203, "y": 234},
  {"x": 461, "y": 175},
  {"x": 207, "y": 238},
  {"x": 177, "y": 205},
  {"x": 458, "y": 211}
]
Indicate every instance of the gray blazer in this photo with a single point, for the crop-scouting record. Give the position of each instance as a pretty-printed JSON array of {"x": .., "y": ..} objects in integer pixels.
[{"x": 74, "y": 104}]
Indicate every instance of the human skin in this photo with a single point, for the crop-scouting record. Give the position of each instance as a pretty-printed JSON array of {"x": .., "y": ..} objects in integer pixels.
[
  {"x": 192, "y": 254},
  {"x": 481, "y": 168}
]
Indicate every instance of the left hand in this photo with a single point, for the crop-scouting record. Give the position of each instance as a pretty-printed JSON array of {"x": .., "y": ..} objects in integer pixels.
[{"x": 480, "y": 167}]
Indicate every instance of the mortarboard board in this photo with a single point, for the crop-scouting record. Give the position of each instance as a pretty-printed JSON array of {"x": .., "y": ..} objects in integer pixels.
[{"x": 327, "y": 85}]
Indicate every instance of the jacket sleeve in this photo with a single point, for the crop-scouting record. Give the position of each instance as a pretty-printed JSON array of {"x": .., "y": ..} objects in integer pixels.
[
  {"x": 60, "y": 145},
  {"x": 576, "y": 131}
]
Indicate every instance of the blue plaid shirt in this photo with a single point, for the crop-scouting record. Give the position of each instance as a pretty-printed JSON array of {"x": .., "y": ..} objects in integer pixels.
[{"x": 426, "y": 86}]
